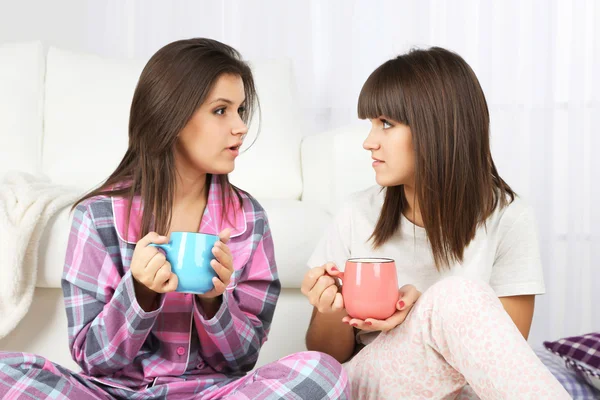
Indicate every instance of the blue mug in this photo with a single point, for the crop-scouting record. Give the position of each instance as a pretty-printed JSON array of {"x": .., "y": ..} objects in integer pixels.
[{"x": 190, "y": 254}]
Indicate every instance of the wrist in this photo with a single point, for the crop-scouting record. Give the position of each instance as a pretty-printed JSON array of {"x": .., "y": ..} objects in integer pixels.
[
  {"x": 211, "y": 305},
  {"x": 145, "y": 297}
]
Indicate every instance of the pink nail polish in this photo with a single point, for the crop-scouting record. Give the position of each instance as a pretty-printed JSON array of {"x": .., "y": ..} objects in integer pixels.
[
  {"x": 401, "y": 304},
  {"x": 334, "y": 269},
  {"x": 369, "y": 323},
  {"x": 354, "y": 324}
]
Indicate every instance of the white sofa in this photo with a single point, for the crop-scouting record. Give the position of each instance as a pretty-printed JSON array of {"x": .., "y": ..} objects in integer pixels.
[{"x": 65, "y": 115}]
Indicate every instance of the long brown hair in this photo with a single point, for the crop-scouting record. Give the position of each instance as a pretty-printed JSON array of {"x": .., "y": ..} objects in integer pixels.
[
  {"x": 457, "y": 186},
  {"x": 173, "y": 85}
]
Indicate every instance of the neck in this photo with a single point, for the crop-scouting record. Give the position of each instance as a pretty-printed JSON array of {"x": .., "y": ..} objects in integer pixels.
[
  {"x": 412, "y": 211},
  {"x": 189, "y": 188}
]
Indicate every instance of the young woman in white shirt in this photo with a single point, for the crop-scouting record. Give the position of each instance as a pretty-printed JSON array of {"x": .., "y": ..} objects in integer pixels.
[{"x": 463, "y": 242}]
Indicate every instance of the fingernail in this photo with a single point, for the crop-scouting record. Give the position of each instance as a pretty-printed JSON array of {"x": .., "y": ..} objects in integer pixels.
[
  {"x": 354, "y": 324},
  {"x": 369, "y": 323},
  {"x": 401, "y": 304},
  {"x": 334, "y": 269}
]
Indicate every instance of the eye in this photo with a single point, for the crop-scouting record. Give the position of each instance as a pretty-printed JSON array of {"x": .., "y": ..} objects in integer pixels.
[
  {"x": 386, "y": 123},
  {"x": 241, "y": 110},
  {"x": 219, "y": 111}
]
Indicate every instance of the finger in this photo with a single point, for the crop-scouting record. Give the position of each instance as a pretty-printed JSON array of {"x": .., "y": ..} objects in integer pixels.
[
  {"x": 222, "y": 272},
  {"x": 338, "y": 303},
  {"x": 162, "y": 275},
  {"x": 359, "y": 324},
  {"x": 225, "y": 235},
  {"x": 322, "y": 283},
  {"x": 223, "y": 258},
  {"x": 331, "y": 269},
  {"x": 327, "y": 299},
  {"x": 170, "y": 285},
  {"x": 152, "y": 237},
  {"x": 385, "y": 326},
  {"x": 310, "y": 279},
  {"x": 224, "y": 247},
  {"x": 219, "y": 286},
  {"x": 408, "y": 296},
  {"x": 155, "y": 263}
]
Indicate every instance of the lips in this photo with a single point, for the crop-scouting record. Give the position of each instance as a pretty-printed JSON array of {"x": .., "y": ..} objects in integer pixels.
[{"x": 235, "y": 147}]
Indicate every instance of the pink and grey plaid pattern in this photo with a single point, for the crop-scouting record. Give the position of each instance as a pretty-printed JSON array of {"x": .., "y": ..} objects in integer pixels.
[
  {"x": 308, "y": 375},
  {"x": 113, "y": 338},
  {"x": 174, "y": 352}
]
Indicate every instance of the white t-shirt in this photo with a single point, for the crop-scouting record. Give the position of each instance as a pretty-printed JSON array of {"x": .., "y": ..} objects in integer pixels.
[{"x": 504, "y": 252}]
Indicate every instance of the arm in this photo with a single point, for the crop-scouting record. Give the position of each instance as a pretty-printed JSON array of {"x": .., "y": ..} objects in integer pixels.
[
  {"x": 107, "y": 326},
  {"x": 328, "y": 334},
  {"x": 517, "y": 274},
  {"x": 232, "y": 337},
  {"x": 520, "y": 309}
]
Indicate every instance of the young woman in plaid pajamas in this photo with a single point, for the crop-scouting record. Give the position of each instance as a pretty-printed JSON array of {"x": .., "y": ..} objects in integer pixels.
[
  {"x": 130, "y": 333},
  {"x": 457, "y": 232}
]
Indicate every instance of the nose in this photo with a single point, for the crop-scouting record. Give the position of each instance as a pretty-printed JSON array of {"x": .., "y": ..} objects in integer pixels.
[
  {"x": 239, "y": 128},
  {"x": 370, "y": 143}
]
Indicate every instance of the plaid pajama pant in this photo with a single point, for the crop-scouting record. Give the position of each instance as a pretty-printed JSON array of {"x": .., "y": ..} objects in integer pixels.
[{"x": 306, "y": 375}]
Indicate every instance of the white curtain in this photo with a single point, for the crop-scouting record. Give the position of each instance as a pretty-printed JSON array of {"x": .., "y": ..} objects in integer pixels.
[{"x": 538, "y": 62}]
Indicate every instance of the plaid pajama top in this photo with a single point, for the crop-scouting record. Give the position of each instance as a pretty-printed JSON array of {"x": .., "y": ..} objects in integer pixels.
[{"x": 117, "y": 343}]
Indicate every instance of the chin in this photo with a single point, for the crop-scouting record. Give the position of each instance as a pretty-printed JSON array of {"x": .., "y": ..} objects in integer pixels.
[
  {"x": 221, "y": 170},
  {"x": 387, "y": 182}
]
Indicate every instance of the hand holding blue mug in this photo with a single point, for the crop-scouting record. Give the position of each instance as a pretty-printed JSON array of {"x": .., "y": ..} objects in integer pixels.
[
  {"x": 222, "y": 265},
  {"x": 202, "y": 263}
]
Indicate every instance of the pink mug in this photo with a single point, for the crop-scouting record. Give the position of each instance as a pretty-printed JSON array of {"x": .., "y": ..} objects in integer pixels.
[{"x": 370, "y": 288}]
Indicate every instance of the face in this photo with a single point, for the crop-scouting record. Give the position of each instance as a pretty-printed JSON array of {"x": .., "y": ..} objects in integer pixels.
[
  {"x": 210, "y": 141},
  {"x": 391, "y": 147}
]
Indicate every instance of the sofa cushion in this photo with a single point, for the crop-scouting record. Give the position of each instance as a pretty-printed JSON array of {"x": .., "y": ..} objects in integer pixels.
[
  {"x": 271, "y": 167},
  {"x": 334, "y": 165},
  {"x": 21, "y": 106},
  {"x": 86, "y": 124},
  {"x": 297, "y": 227},
  {"x": 86, "y": 116}
]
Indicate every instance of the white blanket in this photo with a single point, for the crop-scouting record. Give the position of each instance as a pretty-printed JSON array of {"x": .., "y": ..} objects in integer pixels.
[{"x": 26, "y": 204}]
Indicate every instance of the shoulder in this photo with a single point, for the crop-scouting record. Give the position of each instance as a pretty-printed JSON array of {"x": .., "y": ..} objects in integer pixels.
[
  {"x": 96, "y": 207},
  {"x": 515, "y": 221},
  {"x": 366, "y": 203},
  {"x": 254, "y": 214},
  {"x": 513, "y": 214}
]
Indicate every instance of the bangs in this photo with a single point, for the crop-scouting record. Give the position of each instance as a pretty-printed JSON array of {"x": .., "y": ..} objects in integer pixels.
[{"x": 383, "y": 95}]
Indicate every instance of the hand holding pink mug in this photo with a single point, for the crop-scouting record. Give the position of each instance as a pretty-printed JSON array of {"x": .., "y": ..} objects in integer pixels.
[{"x": 370, "y": 288}]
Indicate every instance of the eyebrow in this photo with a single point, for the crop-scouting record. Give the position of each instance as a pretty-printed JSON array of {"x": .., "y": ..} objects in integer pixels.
[{"x": 225, "y": 100}]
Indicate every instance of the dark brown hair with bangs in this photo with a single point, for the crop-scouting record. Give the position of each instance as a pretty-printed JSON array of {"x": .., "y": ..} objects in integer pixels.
[
  {"x": 173, "y": 85},
  {"x": 457, "y": 186}
]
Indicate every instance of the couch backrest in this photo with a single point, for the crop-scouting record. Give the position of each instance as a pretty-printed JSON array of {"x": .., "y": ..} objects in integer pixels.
[
  {"x": 335, "y": 165},
  {"x": 86, "y": 119},
  {"x": 21, "y": 106}
]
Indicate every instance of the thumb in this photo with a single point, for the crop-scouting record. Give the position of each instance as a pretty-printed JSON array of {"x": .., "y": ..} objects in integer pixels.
[
  {"x": 332, "y": 269},
  {"x": 225, "y": 235}
]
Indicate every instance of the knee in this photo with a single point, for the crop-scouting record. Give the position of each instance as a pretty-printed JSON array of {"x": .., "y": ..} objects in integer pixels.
[
  {"x": 455, "y": 293},
  {"x": 23, "y": 361},
  {"x": 460, "y": 286},
  {"x": 323, "y": 374}
]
